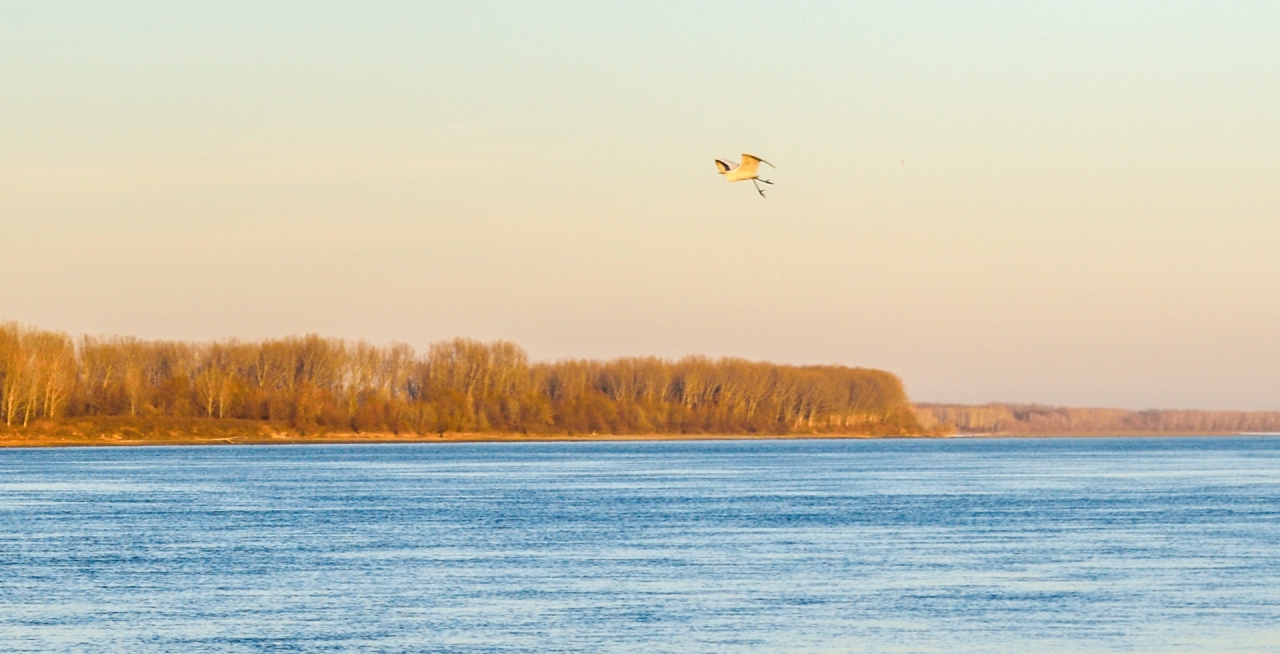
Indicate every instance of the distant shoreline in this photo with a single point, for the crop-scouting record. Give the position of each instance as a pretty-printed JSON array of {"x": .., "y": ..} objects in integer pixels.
[
  {"x": 347, "y": 438},
  {"x": 1037, "y": 419},
  {"x": 15, "y": 441}
]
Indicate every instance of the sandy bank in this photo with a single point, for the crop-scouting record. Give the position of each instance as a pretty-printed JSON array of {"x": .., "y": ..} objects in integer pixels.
[{"x": 285, "y": 438}]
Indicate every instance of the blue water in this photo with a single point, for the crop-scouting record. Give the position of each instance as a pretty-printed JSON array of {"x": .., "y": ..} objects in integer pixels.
[{"x": 1097, "y": 545}]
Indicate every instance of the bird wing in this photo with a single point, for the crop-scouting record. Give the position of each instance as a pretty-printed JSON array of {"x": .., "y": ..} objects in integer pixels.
[
  {"x": 752, "y": 162},
  {"x": 725, "y": 166}
]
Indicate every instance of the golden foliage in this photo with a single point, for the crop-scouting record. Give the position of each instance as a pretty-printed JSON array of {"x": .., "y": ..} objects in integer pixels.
[{"x": 323, "y": 384}]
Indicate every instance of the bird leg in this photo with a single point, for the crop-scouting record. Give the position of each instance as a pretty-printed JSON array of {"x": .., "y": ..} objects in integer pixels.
[
  {"x": 758, "y": 189},
  {"x": 764, "y": 180}
]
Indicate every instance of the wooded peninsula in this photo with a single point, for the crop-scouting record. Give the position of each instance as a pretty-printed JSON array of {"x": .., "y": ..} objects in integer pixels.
[
  {"x": 59, "y": 389},
  {"x": 92, "y": 390}
]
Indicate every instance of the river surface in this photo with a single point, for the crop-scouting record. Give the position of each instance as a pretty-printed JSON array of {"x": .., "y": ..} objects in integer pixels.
[{"x": 1011, "y": 545}]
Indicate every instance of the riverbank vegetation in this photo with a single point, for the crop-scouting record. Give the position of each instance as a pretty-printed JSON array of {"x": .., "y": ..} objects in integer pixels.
[{"x": 52, "y": 382}]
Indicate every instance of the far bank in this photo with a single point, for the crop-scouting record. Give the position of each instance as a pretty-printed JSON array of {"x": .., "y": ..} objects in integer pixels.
[{"x": 122, "y": 432}]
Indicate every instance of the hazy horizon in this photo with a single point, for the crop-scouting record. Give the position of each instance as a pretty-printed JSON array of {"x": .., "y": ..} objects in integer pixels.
[{"x": 1068, "y": 205}]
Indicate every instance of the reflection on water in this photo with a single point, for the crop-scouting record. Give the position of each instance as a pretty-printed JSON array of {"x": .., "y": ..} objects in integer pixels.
[{"x": 1150, "y": 545}]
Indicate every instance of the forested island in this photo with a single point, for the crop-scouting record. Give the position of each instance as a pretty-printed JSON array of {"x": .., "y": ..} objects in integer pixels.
[{"x": 55, "y": 388}]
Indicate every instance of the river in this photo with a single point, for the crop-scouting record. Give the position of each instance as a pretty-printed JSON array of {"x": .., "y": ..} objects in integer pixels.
[{"x": 953, "y": 545}]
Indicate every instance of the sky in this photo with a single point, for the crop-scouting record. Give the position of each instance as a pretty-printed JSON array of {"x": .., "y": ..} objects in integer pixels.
[{"x": 1063, "y": 203}]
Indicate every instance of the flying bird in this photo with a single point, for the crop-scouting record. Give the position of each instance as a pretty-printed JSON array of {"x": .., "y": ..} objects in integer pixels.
[{"x": 747, "y": 170}]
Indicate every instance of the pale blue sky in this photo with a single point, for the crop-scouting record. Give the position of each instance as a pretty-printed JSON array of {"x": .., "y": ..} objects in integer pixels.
[{"x": 1069, "y": 203}]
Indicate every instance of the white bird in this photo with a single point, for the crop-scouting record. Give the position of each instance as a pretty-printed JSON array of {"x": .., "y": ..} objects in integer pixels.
[{"x": 736, "y": 173}]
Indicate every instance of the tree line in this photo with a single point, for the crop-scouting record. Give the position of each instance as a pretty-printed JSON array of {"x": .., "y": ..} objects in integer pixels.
[
  {"x": 311, "y": 383},
  {"x": 1038, "y": 419}
]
